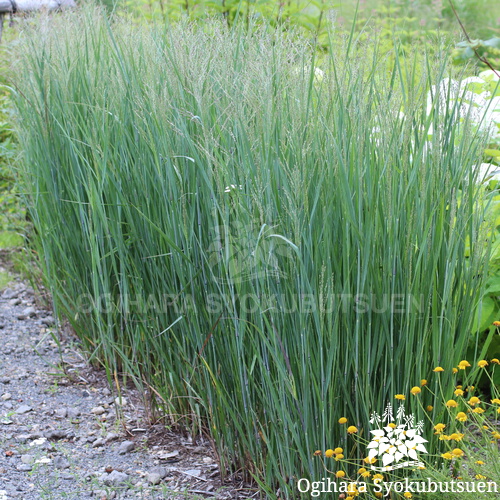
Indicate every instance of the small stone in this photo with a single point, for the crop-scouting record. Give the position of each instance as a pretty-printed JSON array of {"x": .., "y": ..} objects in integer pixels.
[
  {"x": 161, "y": 471},
  {"x": 48, "y": 321},
  {"x": 27, "y": 459},
  {"x": 111, "y": 437},
  {"x": 56, "y": 434},
  {"x": 27, "y": 313},
  {"x": 22, "y": 438},
  {"x": 8, "y": 294},
  {"x": 106, "y": 392},
  {"x": 6, "y": 396},
  {"x": 98, "y": 442},
  {"x": 114, "y": 479},
  {"x": 23, "y": 467},
  {"x": 153, "y": 478},
  {"x": 126, "y": 447},
  {"x": 61, "y": 463},
  {"x": 14, "y": 302},
  {"x": 73, "y": 413},
  {"x": 98, "y": 410},
  {"x": 23, "y": 409},
  {"x": 120, "y": 401},
  {"x": 61, "y": 412},
  {"x": 193, "y": 472}
]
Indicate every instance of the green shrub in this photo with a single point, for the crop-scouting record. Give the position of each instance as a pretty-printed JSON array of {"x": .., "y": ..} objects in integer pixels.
[{"x": 267, "y": 246}]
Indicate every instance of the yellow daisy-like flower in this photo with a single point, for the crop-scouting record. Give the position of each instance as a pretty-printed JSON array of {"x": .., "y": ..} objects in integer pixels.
[
  {"x": 454, "y": 370},
  {"x": 340, "y": 473},
  {"x": 478, "y": 410},
  {"x": 361, "y": 470},
  {"x": 317, "y": 453},
  {"x": 451, "y": 403},
  {"x": 447, "y": 455},
  {"x": 392, "y": 425},
  {"x": 337, "y": 451},
  {"x": 496, "y": 361},
  {"x": 461, "y": 416},
  {"x": 349, "y": 498},
  {"x": 407, "y": 494},
  {"x": 496, "y": 323},
  {"x": 352, "y": 489},
  {"x": 439, "y": 428},
  {"x": 463, "y": 364},
  {"x": 377, "y": 478},
  {"x": 438, "y": 369},
  {"x": 456, "y": 436},
  {"x": 342, "y": 420},
  {"x": 498, "y": 410},
  {"x": 458, "y": 392},
  {"x": 473, "y": 401},
  {"x": 479, "y": 462},
  {"x": 457, "y": 452},
  {"x": 415, "y": 390},
  {"x": 401, "y": 397},
  {"x": 423, "y": 382},
  {"x": 369, "y": 460},
  {"x": 352, "y": 429},
  {"x": 496, "y": 435},
  {"x": 379, "y": 494},
  {"x": 495, "y": 401},
  {"x": 430, "y": 408},
  {"x": 339, "y": 456},
  {"x": 329, "y": 453},
  {"x": 366, "y": 474},
  {"x": 483, "y": 363},
  {"x": 480, "y": 476}
]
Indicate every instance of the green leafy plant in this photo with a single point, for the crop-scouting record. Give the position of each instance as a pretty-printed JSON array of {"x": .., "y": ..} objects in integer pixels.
[{"x": 265, "y": 246}]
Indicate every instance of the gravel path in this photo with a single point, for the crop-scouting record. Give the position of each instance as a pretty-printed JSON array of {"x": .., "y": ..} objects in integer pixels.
[{"x": 63, "y": 434}]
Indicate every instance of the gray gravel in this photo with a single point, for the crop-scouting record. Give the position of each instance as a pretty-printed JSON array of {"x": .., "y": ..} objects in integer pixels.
[{"x": 64, "y": 433}]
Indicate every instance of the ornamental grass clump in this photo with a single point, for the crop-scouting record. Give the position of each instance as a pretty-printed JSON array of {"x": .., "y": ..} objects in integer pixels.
[{"x": 229, "y": 232}]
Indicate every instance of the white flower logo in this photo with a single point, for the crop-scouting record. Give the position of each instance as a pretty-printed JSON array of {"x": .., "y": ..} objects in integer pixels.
[{"x": 396, "y": 442}]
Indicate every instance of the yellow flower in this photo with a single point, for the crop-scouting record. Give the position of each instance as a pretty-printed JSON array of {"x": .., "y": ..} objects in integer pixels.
[
  {"x": 340, "y": 473},
  {"x": 366, "y": 474},
  {"x": 377, "y": 478},
  {"x": 392, "y": 425},
  {"x": 342, "y": 420},
  {"x": 369, "y": 460},
  {"x": 400, "y": 397},
  {"x": 352, "y": 489},
  {"x": 474, "y": 401},
  {"x": 352, "y": 429},
  {"x": 496, "y": 323},
  {"x": 329, "y": 453},
  {"x": 451, "y": 403},
  {"x": 317, "y": 453},
  {"x": 444, "y": 437},
  {"x": 463, "y": 364},
  {"x": 361, "y": 470},
  {"x": 415, "y": 390},
  {"x": 457, "y": 436},
  {"x": 337, "y": 451},
  {"x": 470, "y": 388},
  {"x": 479, "y": 462},
  {"x": 454, "y": 370},
  {"x": 461, "y": 416},
  {"x": 407, "y": 494},
  {"x": 478, "y": 410},
  {"x": 498, "y": 411},
  {"x": 438, "y": 369},
  {"x": 457, "y": 452},
  {"x": 439, "y": 428},
  {"x": 430, "y": 408},
  {"x": 496, "y": 361},
  {"x": 447, "y": 455},
  {"x": 458, "y": 392},
  {"x": 339, "y": 456},
  {"x": 349, "y": 498},
  {"x": 496, "y": 435},
  {"x": 379, "y": 494},
  {"x": 482, "y": 363},
  {"x": 480, "y": 476},
  {"x": 495, "y": 401},
  {"x": 423, "y": 382}
]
